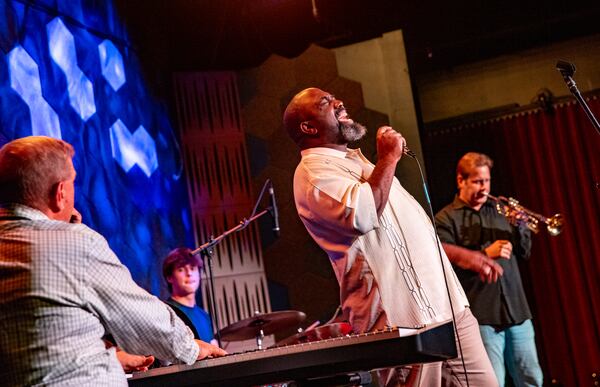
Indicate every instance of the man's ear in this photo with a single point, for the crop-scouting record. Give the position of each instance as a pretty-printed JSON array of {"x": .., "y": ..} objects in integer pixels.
[
  {"x": 459, "y": 181},
  {"x": 56, "y": 201},
  {"x": 308, "y": 129}
]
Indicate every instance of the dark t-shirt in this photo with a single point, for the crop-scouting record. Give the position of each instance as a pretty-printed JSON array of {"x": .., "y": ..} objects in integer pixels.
[
  {"x": 502, "y": 303},
  {"x": 196, "y": 318}
]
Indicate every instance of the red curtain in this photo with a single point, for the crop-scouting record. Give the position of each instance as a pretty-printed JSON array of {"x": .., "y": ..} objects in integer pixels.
[{"x": 550, "y": 161}]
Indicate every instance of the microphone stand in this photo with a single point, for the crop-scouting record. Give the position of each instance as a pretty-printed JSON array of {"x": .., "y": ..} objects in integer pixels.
[
  {"x": 207, "y": 251},
  {"x": 567, "y": 70}
]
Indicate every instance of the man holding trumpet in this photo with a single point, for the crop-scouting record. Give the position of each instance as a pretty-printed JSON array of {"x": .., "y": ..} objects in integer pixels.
[{"x": 485, "y": 248}]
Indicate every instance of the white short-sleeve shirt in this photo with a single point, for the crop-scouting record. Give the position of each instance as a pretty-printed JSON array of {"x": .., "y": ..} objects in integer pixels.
[{"x": 389, "y": 268}]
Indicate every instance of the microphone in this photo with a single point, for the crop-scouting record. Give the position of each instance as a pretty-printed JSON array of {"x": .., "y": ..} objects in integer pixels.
[
  {"x": 274, "y": 212},
  {"x": 566, "y": 69}
]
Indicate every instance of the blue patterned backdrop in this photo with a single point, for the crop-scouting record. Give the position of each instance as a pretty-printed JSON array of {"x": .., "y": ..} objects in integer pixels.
[{"x": 67, "y": 71}]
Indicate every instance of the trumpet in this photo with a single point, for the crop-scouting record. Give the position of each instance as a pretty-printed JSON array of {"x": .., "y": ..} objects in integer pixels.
[{"x": 517, "y": 215}]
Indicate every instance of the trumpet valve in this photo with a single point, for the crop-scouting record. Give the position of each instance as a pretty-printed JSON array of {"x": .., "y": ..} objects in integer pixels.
[{"x": 532, "y": 224}]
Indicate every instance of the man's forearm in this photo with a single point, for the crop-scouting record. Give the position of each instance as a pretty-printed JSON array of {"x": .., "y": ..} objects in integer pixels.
[
  {"x": 381, "y": 182},
  {"x": 462, "y": 257},
  {"x": 488, "y": 270}
]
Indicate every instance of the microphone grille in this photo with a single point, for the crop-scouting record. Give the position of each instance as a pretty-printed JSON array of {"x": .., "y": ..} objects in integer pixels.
[{"x": 565, "y": 67}]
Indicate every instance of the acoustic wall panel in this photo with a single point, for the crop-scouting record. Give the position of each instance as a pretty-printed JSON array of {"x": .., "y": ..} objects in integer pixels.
[{"x": 220, "y": 191}]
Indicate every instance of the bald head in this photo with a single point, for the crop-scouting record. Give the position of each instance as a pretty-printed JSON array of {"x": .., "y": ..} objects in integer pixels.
[
  {"x": 315, "y": 118},
  {"x": 298, "y": 110}
]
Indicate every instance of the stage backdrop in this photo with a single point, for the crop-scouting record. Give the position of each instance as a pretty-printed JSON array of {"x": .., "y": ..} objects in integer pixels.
[{"x": 67, "y": 70}]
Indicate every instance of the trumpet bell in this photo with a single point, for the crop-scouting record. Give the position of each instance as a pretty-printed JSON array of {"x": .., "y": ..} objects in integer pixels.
[
  {"x": 554, "y": 224},
  {"x": 518, "y": 215}
]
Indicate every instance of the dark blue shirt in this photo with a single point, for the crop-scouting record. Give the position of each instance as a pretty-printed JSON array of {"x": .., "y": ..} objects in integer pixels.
[{"x": 195, "y": 318}]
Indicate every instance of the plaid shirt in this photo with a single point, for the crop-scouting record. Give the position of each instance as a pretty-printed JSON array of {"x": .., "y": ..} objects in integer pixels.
[{"x": 61, "y": 290}]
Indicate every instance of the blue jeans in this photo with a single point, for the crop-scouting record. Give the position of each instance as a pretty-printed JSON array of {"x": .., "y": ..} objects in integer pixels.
[{"x": 515, "y": 347}]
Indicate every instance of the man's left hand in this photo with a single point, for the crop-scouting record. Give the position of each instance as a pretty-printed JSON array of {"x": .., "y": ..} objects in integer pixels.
[{"x": 134, "y": 363}]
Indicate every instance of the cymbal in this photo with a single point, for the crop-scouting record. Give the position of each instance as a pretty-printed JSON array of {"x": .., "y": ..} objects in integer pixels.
[
  {"x": 267, "y": 322},
  {"x": 319, "y": 333}
]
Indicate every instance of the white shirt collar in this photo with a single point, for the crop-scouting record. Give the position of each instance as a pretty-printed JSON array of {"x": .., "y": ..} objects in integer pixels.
[
  {"x": 329, "y": 152},
  {"x": 21, "y": 210}
]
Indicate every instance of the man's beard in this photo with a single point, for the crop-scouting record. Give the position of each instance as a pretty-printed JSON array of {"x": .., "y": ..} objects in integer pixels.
[{"x": 352, "y": 132}]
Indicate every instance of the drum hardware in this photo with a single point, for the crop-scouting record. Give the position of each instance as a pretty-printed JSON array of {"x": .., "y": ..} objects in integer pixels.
[{"x": 262, "y": 324}]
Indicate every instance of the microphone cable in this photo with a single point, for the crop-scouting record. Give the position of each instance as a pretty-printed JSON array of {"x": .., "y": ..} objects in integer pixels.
[{"x": 411, "y": 154}]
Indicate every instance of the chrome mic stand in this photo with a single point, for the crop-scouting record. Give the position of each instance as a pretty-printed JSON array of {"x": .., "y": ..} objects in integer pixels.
[{"x": 206, "y": 250}]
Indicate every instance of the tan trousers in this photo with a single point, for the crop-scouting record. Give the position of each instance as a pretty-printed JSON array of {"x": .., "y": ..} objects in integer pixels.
[{"x": 449, "y": 372}]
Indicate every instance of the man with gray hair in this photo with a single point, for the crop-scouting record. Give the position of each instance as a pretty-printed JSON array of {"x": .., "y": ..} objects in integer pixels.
[{"x": 62, "y": 288}]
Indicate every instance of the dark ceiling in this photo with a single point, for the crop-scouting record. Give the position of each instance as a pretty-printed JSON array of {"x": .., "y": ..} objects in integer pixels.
[{"x": 181, "y": 35}]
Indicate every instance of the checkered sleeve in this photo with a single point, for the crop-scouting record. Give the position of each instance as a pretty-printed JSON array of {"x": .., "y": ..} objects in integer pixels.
[{"x": 139, "y": 322}]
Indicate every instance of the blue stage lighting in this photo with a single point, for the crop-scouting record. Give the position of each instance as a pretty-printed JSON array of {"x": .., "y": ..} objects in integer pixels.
[
  {"x": 133, "y": 149},
  {"x": 25, "y": 80},
  {"x": 62, "y": 51},
  {"x": 111, "y": 63}
]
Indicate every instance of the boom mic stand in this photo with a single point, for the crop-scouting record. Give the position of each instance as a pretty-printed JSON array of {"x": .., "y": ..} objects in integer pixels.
[
  {"x": 567, "y": 70},
  {"x": 207, "y": 251}
]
